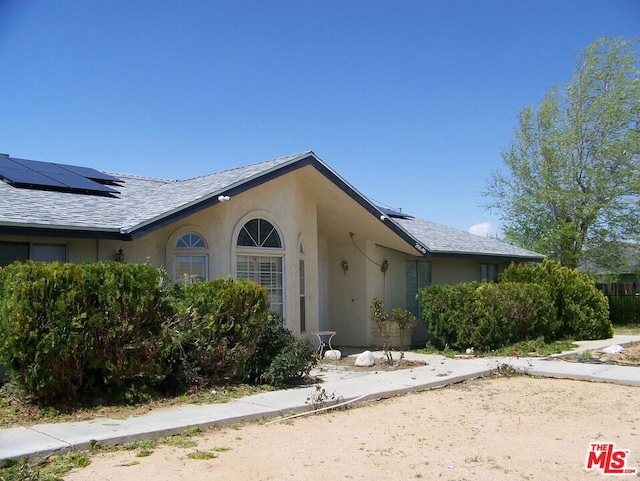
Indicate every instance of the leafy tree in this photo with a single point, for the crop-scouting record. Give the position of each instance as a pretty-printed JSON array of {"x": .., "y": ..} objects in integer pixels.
[{"x": 572, "y": 183}]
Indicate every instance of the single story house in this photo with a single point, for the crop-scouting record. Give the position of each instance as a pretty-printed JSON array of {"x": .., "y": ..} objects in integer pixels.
[
  {"x": 619, "y": 275},
  {"x": 322, "y": 249}
]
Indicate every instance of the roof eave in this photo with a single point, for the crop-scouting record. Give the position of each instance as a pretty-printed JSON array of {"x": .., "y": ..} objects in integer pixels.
[
  {"x": 69, "y": 231},
  {"x": 489, "y": 255},
  {"x": 143, "y": 228}
]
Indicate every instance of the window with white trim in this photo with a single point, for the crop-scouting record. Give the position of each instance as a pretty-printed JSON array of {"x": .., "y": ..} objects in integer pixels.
[
  {"x": 191, "y": 259},
  {"x": 260, "y": 258}
]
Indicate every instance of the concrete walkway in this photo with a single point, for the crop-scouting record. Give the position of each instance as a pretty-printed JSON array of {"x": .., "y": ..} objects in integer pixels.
[{"x": 42, "y": 440}]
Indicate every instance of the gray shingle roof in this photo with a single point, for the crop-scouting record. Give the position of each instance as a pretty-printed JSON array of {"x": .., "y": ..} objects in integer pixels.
[
  {"x": 144, "y": 201},
  {"x": 441, "y": 239}
]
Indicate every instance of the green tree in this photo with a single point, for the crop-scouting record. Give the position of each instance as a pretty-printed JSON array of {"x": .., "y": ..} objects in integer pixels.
[{"x": 572, "y": 180}]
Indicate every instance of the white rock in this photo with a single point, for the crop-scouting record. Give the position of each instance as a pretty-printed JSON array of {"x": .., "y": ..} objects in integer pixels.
[
  {"x": 365, "y": 359},
  {"x": 332, "y": 355},
  {"x": 615, "y": 349}
]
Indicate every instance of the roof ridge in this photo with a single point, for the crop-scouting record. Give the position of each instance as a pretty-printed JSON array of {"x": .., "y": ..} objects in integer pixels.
[
  {"x": 232, "y": 169},
  {"x": 141, "y": 177}
]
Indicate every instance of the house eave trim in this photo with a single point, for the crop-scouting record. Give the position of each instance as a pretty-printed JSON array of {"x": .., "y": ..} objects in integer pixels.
[{"x": 63, "y": 231}]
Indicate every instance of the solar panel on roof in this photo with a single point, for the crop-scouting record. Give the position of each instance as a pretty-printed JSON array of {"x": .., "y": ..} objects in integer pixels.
[
  {"x": 395, "y": 213},
  {"x": 79, "y": 183},
  {"x": 8, "y": 163},
  {"x": 35, "y": 174},
  {"x": 42, "y": 167},
  {"x": 92, "y": 174},
  {"x": 27, "y": 177}
]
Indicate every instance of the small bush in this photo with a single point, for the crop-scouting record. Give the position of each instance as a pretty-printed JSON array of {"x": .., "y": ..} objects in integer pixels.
[
  {"x": 214, "y": 330},
  {"x": 279, "y": 357},
  {"x": 292, "y": 364}
]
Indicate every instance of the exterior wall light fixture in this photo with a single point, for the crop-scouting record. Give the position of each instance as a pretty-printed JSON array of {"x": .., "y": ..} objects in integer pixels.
[
  {"x": 119, "y": 255},
  {"x": 345, "y": 266}
]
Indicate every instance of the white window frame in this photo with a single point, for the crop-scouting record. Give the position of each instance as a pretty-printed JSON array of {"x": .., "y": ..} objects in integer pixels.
[
  {"x": 266, "y": 253},
  {"x": 189, "y": 253}
]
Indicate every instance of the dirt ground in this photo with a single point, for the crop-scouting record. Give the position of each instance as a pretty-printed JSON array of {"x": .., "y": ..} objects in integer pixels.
[
  {"x": 509, "y": 428},
  {"x": 630, "y": 356}
]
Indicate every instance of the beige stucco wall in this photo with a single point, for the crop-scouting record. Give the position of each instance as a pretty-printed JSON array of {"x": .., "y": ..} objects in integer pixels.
[
  {"x": 347, "y": 291},
  {"x": 351, "y": 293}
]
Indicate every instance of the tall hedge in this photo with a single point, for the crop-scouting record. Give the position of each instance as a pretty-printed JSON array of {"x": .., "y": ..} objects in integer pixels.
[
  {"x": 583, "y": 310},
  {"x": 214, "y": 330},
  {"x": 115, "y": 331},
  {"x": 546, "y": 300},
  {"x": 70, "y": 331},
  {"x": 485, "y": 316}
]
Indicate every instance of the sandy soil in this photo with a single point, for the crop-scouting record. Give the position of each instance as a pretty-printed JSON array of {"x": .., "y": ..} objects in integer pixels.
[{"x": 517, "y": 428}]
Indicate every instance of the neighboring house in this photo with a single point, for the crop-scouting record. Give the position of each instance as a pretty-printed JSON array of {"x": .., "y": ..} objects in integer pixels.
[
  {"x": 322, "y": 249},
  {"x": 622, "y": 276}
]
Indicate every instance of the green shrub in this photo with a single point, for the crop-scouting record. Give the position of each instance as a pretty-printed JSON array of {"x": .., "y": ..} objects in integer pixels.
[
  {"x": 583, "y": 311},
  {"x": 272, "y": 340},
  {"x": 444, "y": 309},
  {"x": 292, "y": 364},
  {"x": 486, "y": 316},
  {"x": 214, "y": 330},
  {"x": 279, "y": 357},
  {"x": 71, "y": 331},
  {"x": 403, "y": 320},
  {"x": 509, "y": 313}
]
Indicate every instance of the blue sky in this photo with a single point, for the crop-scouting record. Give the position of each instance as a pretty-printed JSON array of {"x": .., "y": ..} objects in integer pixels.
[{"x": 411, "y": 101}]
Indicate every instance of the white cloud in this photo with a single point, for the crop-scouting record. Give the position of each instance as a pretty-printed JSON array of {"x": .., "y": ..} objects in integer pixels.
[{"x": 484, "y": 229}]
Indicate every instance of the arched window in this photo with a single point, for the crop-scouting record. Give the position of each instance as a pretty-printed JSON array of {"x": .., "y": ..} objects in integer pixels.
[
  {"x": 191, "y": 259},
  {"x": 259, "y": 233},
  {"x": 260, "y": 258},
  {"x": 191, "y": 241}
]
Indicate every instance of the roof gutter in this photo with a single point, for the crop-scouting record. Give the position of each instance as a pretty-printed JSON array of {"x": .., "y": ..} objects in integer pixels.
[{"x": 62, "y": 231}]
